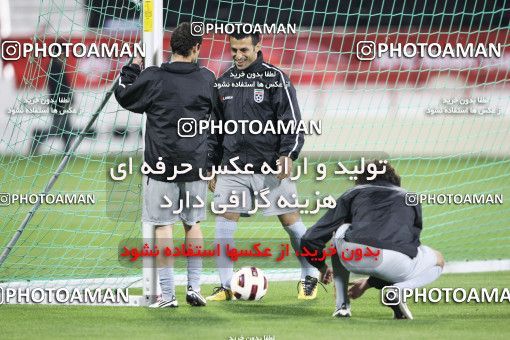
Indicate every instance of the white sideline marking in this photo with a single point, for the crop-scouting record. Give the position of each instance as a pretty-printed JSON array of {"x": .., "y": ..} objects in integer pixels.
[
  {"x": 476, "y": 266},
  {"x": 181, "y": 279}
]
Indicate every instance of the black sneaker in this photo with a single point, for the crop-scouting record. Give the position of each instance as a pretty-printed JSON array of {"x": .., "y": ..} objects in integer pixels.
[
  {"x": 399, "y": 307},
  {"x": 194, "y": 298}
]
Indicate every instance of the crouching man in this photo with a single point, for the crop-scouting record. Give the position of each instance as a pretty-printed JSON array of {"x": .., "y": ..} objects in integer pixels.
[{"x": 376, "y": 232}]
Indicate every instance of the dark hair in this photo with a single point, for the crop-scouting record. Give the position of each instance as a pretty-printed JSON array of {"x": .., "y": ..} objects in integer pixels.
[
  {"x": 182, "y": 40},
  {"x": 389, "y": 175},
  {"x": 59, "y": 43},
  {"x": 255, "y": 37}
]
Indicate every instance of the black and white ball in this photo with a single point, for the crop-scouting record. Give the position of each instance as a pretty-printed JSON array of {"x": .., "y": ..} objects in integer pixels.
[{"x": 249, "y": 283}]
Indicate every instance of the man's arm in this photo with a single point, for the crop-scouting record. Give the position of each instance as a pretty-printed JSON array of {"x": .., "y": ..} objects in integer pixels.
[
  {"x": 378, "y": 283},
  {"x": 320, "y": 233},
  {"x": 215, "y": 141},
  {"x": 418, "y": 222},
  {"x": 287, "y": 110},
  {"x": 134, "y": 90}
]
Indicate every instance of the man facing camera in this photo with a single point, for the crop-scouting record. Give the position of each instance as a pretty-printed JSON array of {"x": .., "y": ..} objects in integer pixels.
[{"x": 255, "y": 91}]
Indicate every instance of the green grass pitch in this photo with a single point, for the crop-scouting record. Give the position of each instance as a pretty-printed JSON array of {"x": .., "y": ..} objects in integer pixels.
[
  {"x": 278, "y": 314},
  {"x": 63, "y": 242}
]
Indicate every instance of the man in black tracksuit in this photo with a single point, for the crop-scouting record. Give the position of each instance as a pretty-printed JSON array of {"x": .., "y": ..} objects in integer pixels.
[
  {"x": 256, "y": 92},
  {"x": 382, "y": 216},
  {"x": 177, "y": 90},
  {"x": 258, "y": 103}
]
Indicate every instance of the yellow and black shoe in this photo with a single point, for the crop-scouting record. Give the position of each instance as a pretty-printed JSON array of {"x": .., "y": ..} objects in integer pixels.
[
  {"x": 220, "y": 294},
  {"x": 307, "y": 288}
]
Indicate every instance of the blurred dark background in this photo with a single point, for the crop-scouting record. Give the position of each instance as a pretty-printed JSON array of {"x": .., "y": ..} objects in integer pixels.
[{"x": 442, "y": 14}]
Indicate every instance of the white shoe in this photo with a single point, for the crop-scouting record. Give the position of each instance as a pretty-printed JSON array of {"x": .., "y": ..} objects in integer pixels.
[
  {"x": 399, "y": 307},
  {"x": 162, "y": 303},
  {"x": 402, "y": 311},
  {"x": 342, "y": 312}
]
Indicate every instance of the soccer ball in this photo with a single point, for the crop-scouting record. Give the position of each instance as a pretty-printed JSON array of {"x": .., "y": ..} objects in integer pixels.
[{"x": 249, "y": 283}]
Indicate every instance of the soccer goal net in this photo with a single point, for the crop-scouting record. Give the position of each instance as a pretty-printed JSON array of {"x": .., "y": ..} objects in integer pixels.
[{"x": 383, "y": 82}]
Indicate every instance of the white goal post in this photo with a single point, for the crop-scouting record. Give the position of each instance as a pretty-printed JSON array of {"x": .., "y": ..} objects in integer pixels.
[{"x": 153, "y": 39}]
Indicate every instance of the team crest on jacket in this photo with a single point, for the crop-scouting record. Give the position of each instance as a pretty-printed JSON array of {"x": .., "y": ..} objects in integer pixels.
[{"x": 258, "y": 95}]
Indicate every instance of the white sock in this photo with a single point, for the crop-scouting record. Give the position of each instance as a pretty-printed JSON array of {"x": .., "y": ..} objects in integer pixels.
[
  {"x": 341, "y": 279},
  {"x": 424, "y": 278},
  {"x": 166, "y": 280},
  {"x": 225, "y": 235},
  {"x": 194, "y": 271},
  {"x": 296, "y": 231}
]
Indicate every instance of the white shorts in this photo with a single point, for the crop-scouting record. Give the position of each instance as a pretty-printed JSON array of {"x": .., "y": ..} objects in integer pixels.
[
  {"x": 153, "y": 192},
  {"x": 391, "y": 266},
  {"x": 246, "y": 186}
]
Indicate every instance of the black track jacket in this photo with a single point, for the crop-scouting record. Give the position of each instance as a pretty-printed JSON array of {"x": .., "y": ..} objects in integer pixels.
[
  {"x": 168, "y": 93},
  {"x": 250, "y": 95},
  {"x": 378, "y": 216}
]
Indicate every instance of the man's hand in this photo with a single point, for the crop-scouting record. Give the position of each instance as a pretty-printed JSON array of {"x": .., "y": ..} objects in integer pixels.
[
  {"x": 357, "y": 288},
  {"x": 326, "y": 275},
  {"x": 286, "y": 164},
  {"x": 138, "y": 61},
  {"x": 212, "y": 182}
]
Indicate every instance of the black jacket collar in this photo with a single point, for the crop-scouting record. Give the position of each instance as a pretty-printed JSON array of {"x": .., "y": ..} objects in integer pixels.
[
  {"x": 381, "y": 182},
  {"x": 180, "y": 67}
]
